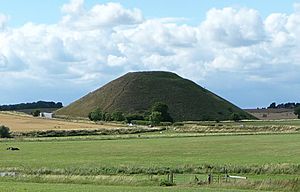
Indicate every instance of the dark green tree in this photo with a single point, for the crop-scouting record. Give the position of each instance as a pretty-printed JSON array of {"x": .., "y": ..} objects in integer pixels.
[
  {"x": 236, "y": 117},
  {"x": 155, "y": 117},
  {"x": 107, "y": 117},
  {"x": 163, "y": 109},
  {"x": 118, "y": 116},
  {"x": 36, "y": 113},
  {"x": 4, "y": 132},
  {"x": 297, "y": 111},
  {"x": 96, "y": 115}
]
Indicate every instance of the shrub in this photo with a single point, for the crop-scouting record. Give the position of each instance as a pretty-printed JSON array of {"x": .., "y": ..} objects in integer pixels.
[
  {"x": 4, "y": 132},
  {"x": 297, "y": 112},
  {"x": 130, "y": 117},
  {"x": 155, "y": 117},
  {"x": 235, "y": 117},
  {"x": 96, "y": 115},
  {"x": 118, "y": 116},
  {"x": 36, "y": 113},
  {"x": 163, "y": 109}
]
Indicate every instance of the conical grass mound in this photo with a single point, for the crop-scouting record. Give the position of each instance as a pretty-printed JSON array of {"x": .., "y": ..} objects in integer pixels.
[{"x": 136, "y": 92}]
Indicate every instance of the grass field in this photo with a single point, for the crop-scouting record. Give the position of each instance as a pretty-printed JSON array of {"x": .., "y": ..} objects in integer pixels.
[
  {"x": 40, "y": 187},
  {"x": 160, "y": 152},
  {"x": 19, "y": 122},
  {"x": 139, "y": 162}
]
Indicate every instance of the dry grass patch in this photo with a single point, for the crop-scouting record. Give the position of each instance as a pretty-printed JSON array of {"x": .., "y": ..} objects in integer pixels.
[{"x": 19, "y": 122}]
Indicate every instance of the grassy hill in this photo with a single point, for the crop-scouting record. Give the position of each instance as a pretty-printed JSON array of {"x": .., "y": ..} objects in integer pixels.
[{"x": 136, "y": 92}]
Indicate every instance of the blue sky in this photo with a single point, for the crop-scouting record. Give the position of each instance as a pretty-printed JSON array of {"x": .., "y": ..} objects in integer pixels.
[
  {"x": 48, "y": 11},
  {"x": 245, "y": 51}
]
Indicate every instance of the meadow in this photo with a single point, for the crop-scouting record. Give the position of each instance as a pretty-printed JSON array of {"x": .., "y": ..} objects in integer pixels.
[{"x": 266, "y": 152}]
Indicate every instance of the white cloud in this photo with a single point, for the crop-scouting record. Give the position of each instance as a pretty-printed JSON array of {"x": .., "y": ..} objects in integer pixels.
[
  {"x": 100, "y": 43},
  {"x": 3, "y": 21}
]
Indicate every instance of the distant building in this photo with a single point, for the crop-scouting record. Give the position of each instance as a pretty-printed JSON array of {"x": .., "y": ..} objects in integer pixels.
[{"x": 46, "y": 115}]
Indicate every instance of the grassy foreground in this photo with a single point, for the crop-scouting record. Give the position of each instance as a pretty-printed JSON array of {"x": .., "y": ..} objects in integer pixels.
[
  {"x": 39, "y": 187},
  {"x": 156, "y": 152}
]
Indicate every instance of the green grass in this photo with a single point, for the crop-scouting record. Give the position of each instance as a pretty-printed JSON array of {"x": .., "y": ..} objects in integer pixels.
[
  {"x": 46, "y": 187},
  {"x": 157, "y": 152}
]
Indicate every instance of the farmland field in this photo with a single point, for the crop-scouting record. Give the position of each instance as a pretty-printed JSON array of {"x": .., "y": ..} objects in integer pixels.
[
  {"x": 266, "y": 152},
  {"x": 242, "y": 155},
  {"x": 19, "y": 122},
  {"x": 170, "y": 152}
]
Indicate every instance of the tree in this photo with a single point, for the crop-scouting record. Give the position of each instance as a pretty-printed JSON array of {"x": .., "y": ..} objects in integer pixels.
[
  {"x": 163, "y": 109},
  {"x": 272, "y": 106},
  {"x": 96, "y": 115},
  {"x": 155, "y": 117},
  {"x": 4, "y": 132},
  {"x": 36, "y": 113},
  {"x": 297, "y": 111},
  {"x": 107, "y": 117},
  {"x": 235, "y": 117},
  {"x": 118, "y": 116}
]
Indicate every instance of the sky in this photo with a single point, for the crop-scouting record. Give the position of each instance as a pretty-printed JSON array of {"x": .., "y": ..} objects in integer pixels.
[{"x": 245, "y": 51}]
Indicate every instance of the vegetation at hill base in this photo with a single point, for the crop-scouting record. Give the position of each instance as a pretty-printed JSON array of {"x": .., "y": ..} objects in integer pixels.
[
  {"x": 4, "y": 132},
  {"x": 297, "y": 111},
  {"x": 157, "y": 113},
  {"x": 135, "y": 93}
]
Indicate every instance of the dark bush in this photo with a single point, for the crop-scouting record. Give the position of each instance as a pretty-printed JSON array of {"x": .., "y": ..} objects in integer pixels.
[
  {"x": 4, "y": 132},
  {"x": 36, "y": 113},
  {"x": 118, "y": 116},
  {"x": 130, "y": 117},
  {"x": 96, "y": 115},
  {"x": 235, "y": 117}
]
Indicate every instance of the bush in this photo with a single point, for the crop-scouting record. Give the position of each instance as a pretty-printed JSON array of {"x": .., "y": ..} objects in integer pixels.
[
  {"x": 163, "y": 109},
  {"x": 297, "y": 112},
  {"x": 130, "y": 117},
  {"x": 118, "y": 116},
  {"x": 36, "y": 113},
  {"x": 235, "y": 117},
  {"x": 96, "y": 115},
  {"x": 155, "y": 117},
  {"x": 4, "y": 132}
]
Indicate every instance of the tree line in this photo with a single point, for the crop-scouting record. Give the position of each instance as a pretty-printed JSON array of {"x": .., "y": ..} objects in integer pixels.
[
  {"x": 157, "y": 113},
  {"x": 33, "y": 105},
  {"x": 289, "y": 105}
]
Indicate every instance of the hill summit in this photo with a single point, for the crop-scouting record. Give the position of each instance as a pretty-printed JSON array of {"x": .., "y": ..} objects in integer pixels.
[{"x": 136, "y": 92}]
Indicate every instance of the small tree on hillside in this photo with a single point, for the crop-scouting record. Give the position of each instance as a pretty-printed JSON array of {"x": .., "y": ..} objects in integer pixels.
[
  {"x": 155, "y": 117},
  {"x": 118, "y": 116},
  {"x": 4, "y": 132},
  {"x": 163, "y": 109},
  {"x": 236, "y": 117},
  {"x": 297, "y": 111},
  {"x": 96, "y": 115}
]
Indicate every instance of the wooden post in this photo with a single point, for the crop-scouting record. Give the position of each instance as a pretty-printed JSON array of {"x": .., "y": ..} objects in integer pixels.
[{"x": 171, "y": 177}]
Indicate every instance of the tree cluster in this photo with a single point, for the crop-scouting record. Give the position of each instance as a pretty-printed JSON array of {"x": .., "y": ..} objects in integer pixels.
[
  {"x": 34, "y": 105},
  {"x": 157, "y": 113},
  {"x": 289, "y": 105}
]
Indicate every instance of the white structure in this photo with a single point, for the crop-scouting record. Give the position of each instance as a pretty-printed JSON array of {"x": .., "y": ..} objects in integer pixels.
[{"x": 46, "y": 115}]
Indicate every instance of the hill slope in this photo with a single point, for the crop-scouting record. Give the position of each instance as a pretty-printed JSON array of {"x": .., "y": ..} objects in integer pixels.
[{"x": 136, "y": 92}]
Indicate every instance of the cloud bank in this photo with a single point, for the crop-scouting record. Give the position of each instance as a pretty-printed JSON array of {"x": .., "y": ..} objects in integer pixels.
[{"x": 232, "y": 51}]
